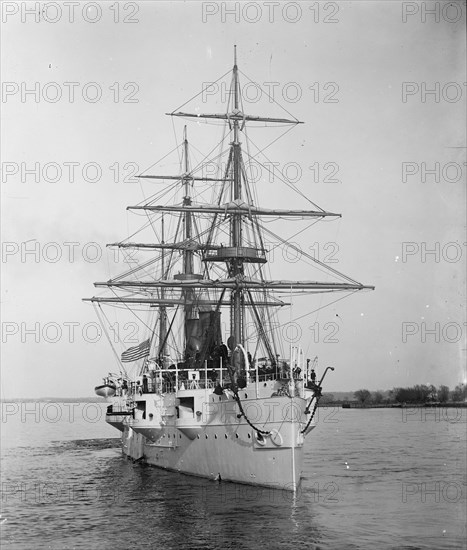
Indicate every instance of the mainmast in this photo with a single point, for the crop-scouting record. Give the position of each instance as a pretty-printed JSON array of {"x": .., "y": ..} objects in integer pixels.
[
  {"x": 236, "y": 264},
  {"x": 162, "y": 309},
  {"x": 187, "y": 272}
]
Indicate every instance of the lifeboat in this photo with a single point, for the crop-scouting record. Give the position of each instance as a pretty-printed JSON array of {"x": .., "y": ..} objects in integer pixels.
[{"x": 107, "y": 389}]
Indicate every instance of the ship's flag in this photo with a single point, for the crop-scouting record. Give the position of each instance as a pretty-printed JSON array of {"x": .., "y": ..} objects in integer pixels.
[{"x": 136, "y": 352}]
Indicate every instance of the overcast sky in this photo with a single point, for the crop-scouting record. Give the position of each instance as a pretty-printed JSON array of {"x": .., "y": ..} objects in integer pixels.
[{"x": 381, "y": 87}]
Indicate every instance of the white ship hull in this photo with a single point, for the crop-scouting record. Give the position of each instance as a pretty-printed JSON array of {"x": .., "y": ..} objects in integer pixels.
[{"x": 214, "y": 440}]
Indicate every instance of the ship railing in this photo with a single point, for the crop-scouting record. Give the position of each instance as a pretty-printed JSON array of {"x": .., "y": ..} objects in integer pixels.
[
  {"x": 175, "y": 379},
  {"x": 273, "y": 376},
  {"x": 196, "y": 384},
  {"x": 189, "y": 379},
  {"x": 172, "y": 379}
]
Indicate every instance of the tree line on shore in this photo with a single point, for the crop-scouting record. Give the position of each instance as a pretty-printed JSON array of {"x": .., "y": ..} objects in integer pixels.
[{"x": 418, "y": 394}]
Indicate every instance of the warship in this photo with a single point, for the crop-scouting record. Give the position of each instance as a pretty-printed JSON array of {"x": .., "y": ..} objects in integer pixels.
[{"x": 211, "y": 390}]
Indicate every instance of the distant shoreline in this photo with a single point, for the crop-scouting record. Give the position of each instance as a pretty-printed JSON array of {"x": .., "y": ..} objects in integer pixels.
[{"x": 355, "y": 405}]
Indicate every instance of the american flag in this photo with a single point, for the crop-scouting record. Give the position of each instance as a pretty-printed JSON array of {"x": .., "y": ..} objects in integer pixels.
[{"x": 136, "y": 352}]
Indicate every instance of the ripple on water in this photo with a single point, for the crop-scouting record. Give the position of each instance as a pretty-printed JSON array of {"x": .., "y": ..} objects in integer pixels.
[{"x": 82, "y": 494}]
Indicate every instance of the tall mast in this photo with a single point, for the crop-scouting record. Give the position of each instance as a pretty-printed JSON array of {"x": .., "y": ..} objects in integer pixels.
[
  {"x": 162, "y": 310},
  {"x": 188, "y": 294},
  {"x": 188, "y": 255},
  {"x": 236, "y": 241}
]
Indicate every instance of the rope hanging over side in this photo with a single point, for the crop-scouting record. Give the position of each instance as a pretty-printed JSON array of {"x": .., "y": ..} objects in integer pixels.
[
  {"x": 239, "y": 402},
  {"x": 234, "y": 389},
  {"x": 317, "y": 397}
]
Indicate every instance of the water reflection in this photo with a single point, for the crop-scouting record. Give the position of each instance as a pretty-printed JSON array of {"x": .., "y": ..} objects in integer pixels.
[{"x": 196, "y": 513}]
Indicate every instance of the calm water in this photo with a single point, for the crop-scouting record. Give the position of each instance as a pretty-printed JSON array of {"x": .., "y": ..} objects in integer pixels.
[{"x": 377, "y": 478}]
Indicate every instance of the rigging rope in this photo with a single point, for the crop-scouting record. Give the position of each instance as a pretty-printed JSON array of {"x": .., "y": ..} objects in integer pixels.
[
  {"x": 308, "y": 256},
  {"x": 271, "y": 98},
  {"x": 202, "y": 91},
  {"x": 119, "y": 361}
]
